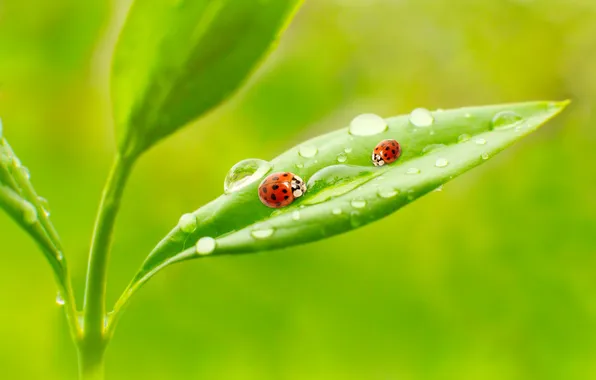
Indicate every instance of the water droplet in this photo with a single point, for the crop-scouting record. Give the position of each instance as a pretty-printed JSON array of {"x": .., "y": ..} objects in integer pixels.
[
  {"x": 307, "y": 151},
  {"x": 348, "y": 150},
  {"x": 358, "y": 203},
  {"x": 59, "y": 299},
  {"x": 188, "y": 223},
  {"x": 244, "y": 173},
  {"x": 480, "y": 141},
  {"x": 355, "y": 219},
  {"x": 387, "y": 192},
  {"x": 296, "y": 215},
  {"x": 205, "y": 245},
  {"x": 367, "y": 124},
  {"x": 432, "y": 148},
  {"x": 26, "y": 172},
  {"x": 60, "y": 255},
  {"x": 341, "y": 158},
  {"x": 413, "y": 171},
  {"x": 336, "y": 211},
  {"x": 45, "y": 205},
  {"x": 440, "y": 188},
  {"x": 299, "y": 166},
  {"x": 29, "y": 213},
  {"x": 336, "y": 180},
  {"x": 505, "y": 119},
  {"x": 421, "y": 117},
  {"x": 262, "y": 233},
  {"x": 441, "y": 162},
  {"x": 484, "y": 156},
  {"x": 463, "y": 138}
]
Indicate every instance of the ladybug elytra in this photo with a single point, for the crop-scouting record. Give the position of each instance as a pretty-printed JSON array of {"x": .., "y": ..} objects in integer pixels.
[
  {"x": 280, "y": 189},
  {"x": 386, "y": 152}
]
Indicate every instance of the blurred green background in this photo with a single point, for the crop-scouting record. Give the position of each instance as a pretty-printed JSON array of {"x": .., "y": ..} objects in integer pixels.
[{"x": 493, "y": 278}]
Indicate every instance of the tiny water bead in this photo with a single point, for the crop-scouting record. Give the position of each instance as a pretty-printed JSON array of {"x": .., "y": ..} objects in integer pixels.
[
  {"x": 341, "y": 158},
  {"x": 299, "y": 165},
  {"x": 441, "y": 162},
  {"x": 358, "y": 203},
  {"x": 413, "y": 171},
  {"x": 29, "y": 213},
  {"x": 205, "y": 245},
  {"x": 367, "y": 124},
  {"x": 336, "y": 211},
  {"x": 188, "y": 223},
  {"x": 348, "y": 150},
  {"x": 421, "y": 117},
  {"x": 308, "y": 151},
  {"x": 261, "y": 233},
  {"x": 45, "y": 205},
  {"x": 281, "y": 189},
  {"x": 386, "y": 152},
  {"x": 433, "y": 148},
  {"x": 387, "y": 192},
  {"x": 505, "y": 120},
  {"x": 59, "y": 299},
  {"x": 244, "y": 173},
  {"x": 463, "y": 138},
  {"x": 439, "y": 189},
  {"x": 480, "y": 141},
  {"x": 296, "y": 215},
  {"x": 484, "y": 156}
]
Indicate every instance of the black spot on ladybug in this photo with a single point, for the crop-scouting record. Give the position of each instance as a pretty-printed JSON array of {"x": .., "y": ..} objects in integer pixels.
[
  {"x": 273, "y": 197},
  {"x": 285, "y": 174},
  {"x": 276, "y": 178},
  {"x": 278, "y": 204},
  {"x": 264, "y": 190},
  {"x": 286, "y": 197},
  {"x": 393, "y": 151},
  {"x": 385, "y": 154},
  {"x": 285, "y": 190},
  {"x": 275, "y": 187}
]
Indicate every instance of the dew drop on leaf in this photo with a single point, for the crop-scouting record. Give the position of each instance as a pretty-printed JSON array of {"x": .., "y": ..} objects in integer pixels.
[
  {"x": 45, "y": 205},
  {"x": 441, "y": 162},
  {"x": 387, "y": 192},
  {"x": 29, "y": 213},
  {"x": 484, "y": 156},
  {"x": 440, "y": 188},
  {"x": 421, "y": 117},
  {"x": 358, "y": 203},
  {"x": 188, "y": 223},
  {"x": 480, "y": 141},
  {"x": 244, "y": 173},
  {"x": 299, "y": 165},
  {"x": 413, "y": 171},
  {"x": 367, "y": 124},
  {"x": 505, "y": 120},
  {"x": 307, "y": 151},
  {"x": 348, "y": 150},
  {"x": 205, "y": 245},
  {"x": 355, "y": 219},
  {"x": 341, "y": 158},
  {"x": 296, "y": 215},
  {"x": 59, "y": 299},
  {"x": 262, "y": 233},
  {"x": 463, "y": 138}
]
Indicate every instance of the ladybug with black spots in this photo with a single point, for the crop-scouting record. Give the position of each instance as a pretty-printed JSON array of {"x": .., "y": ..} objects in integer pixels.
[
  {"x": 386, "y": 152},
  {"x": 280, "y": 189}
]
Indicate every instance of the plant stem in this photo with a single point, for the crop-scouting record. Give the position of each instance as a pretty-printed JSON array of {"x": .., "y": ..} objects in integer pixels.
[
  {"x": 94, "y": 311},
  {"x": 91, "y": 363}
]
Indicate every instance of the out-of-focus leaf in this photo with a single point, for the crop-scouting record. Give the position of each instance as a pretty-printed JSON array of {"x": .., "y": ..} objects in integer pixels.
[{"x": 177, "y": 59}]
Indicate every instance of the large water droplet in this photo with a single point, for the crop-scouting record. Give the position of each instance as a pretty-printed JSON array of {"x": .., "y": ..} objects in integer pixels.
[
  {"x": 59, "y": 299},
  {"x": 29, "y": 213},
  {"x": 205, "y": 245},
  {"x": 441, "y": 162},
  {"x": 341, "y": 158},
  {"x": 244, "y": 173},
  {"x": 45, "y": 205},
  {"x": 432, "y": 148},
  {"x": 367, "y": 124},
  {"x": 262, "y": 233},
  {"x": 480, "y": 141},
  {"x": 413, "y": 171},
  {"x": 385, "y": 192},
  {"x": 307, "y": 151},
  {"x": 421, "y": 117},
  {"x": 335, "y": 180},
  {"x": 358, "y": 203},
  {"x": 463, "y": 138},
  {"x": 505, "y": 119},
  {"x": 296, "y": 215},
  {"x": 484, "y": 156},
  {"x": 336, "y": 211},
  {"x": 188, "y": 223}
]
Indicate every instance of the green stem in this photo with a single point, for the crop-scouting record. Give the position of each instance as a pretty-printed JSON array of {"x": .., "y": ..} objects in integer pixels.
[
  {"x": 94, "y": 311},
  {"x": 91, "y": 363}
]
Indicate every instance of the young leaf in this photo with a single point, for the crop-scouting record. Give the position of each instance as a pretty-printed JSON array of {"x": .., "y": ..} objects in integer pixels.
[
  {"x": 346, "y": 191},
  {"x": 176, "y": 60}
]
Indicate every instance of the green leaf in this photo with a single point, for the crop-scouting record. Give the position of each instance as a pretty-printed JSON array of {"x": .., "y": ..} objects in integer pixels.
[
  {"x": 345, "y": 196},
  {"x": 177, "y": 59}
]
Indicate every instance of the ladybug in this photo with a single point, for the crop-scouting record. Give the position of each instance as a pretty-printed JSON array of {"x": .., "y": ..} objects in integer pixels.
[
  {"x": 386, "y": 152},
  {"x": 280, "y": 189}
]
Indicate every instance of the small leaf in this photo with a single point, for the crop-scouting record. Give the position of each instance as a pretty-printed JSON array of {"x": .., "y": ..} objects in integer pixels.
[
  {"x": 436, "y": 147},
  {"x": 177, "y": 59}
]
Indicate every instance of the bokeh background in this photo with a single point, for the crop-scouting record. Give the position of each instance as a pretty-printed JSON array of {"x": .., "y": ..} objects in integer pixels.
[{"x": 492, "y": 278}]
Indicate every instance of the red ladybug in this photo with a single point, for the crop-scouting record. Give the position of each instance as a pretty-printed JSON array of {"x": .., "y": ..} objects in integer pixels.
[
  {"x": 280, "y": 189},
  {"x": 386, "y": 152}
]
